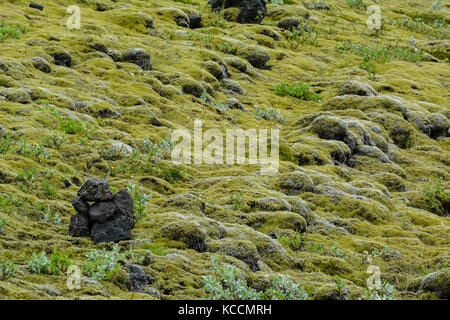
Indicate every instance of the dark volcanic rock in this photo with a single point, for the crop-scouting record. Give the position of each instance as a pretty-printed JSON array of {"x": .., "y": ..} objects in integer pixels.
[
  {"x": 195, "y": 20},
  {"x": 79, "y": 226},
  {"x": 101, "y": 211},
  {"x": 138, "y": 279},
  {"x": 62, "y": 58},
  {"x": 123, "y": 203},
  {"x": 251, "y": 11},
  {"x": 80, "y": 205},
  {"x": 95, "y": 190},
  {"x": 109, "y": 218},
  {"x": 139, "y": 57},
  {"x": 114, "y": 230}
]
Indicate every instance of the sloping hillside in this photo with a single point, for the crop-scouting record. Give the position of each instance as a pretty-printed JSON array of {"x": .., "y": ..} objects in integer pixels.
[{"x": 364, "y": 145}]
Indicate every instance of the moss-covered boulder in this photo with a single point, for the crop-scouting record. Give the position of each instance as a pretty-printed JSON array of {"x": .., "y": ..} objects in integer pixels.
[{"x": 438, "y": 283}]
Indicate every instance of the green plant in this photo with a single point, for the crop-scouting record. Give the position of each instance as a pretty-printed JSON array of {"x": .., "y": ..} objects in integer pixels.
[
  {"x": 140, "y": 200},
  {"x": 34, "y": 150},
  {"x": 385, "y": 292},
  {"x": 295, "y": 243},
  {"x": 59, "y": 261},
  {"x": 5, "y": 143},
  {"x": 156, "y": 249},
  {"x": 26, "y": 178},
  {"x": 49, "y": 216},
  {"x": 226, "y": 284},
  {"x": 283, "y": 288},
  {"x": 342, "y": 288},
  {"x": 318, "y": 5},
  {"x": 7, "y": 270},
  {"x": 102, "y": 265},
  {"x": 359, "y": 4},
  {"x": 162, "y": 150},
  {"x": 370, "y": 67},
  {"x": 315, "y": 247},
  {"x": 170, "y": 173},
  {"x": 436, "y": 5},
  {"x": 48, "y": 187},
  {"x": 54, "y": 141},
  {"x": 298, "y": 90},
  {"x": 236, "y": 200},
  {"x": 3, "y": 223},
  {"x": 438, "y": 197},
  {"x": 299, "y": 36},
  {"x": 269, "y": 114},
  {"x": 40, "y": 263},
  {"x": 339, "y": 253},
  {"x": 226, "y": 48},
  {"x": 13, "y": 31},
  {"x": 135, "y": 257},
  {"x": 5, "y": 203}
]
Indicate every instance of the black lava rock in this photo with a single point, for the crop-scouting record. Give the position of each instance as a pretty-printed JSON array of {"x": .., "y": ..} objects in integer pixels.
[
  {"x": 36, "y": 6},
  {"x": 195, "y": 21},
  {"x": 139, "y": 57},
  {"x": 79, "y": 226},
  {"x": 101, "y": 211},
  {"x": 138, "y": 279},
  {"x": 95, "y": 190},
  {"x": 251, "y": 11},
  {"x": 80, "y": 205},
  {"x": 62, "y": 59},
  {"x": 109, "y": 218},
  {"x": 114, "y": 230}
]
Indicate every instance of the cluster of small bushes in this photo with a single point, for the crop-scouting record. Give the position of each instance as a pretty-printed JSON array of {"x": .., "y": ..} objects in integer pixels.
[
  {"x": 269, "y": 114},
  {"x": 11, "y": 31},
  {"x": 226, "y": 284},
  {"x": 298, "y": 90}
]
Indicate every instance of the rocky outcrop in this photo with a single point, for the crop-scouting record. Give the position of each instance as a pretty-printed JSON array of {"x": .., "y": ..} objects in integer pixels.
[
  {"x": 108, "y": 219},
  {"x": 251, "y": 11}
]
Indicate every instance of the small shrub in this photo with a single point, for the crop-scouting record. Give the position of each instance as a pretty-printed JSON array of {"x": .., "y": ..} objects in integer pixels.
[
  {"x": 437, "y": 5},
  {"x": 54, "y": 141},
  {"x": 438, "y": 197},
  {"x": 299, "y": 90},
  {"x": 140, "y": 200},
  {"x": 50, "y": 217},
  {"x": 370, "y": 67},
  {"x": 48, "y": 187},
  {"x": 7, "y": 270},
  {"x": 162, "y": 150},
  {"x": 5, "y": 144},
  {"x": 342, "y": 288},
  {"x": 34, "y": 150},
  {"x": 358, "y": 4},
  {"x": 3, "y": 223},
  {"x": 13, "y": 31},
  {"x": 339, "y": 253},
  {"x": 26, "y": 178},
  {"x": 102, "y": 265},
  {"x": 236, "y": 200},
  {"x": 318, "y": 5},
  {"x": 40, "y": 263},
  {"x": 386, "y": 292},
  {"x": 269, "y": 114},
  {"x": 283, "y": 288},
  {"x": 5, "y": 204},
  {"x": 295, "y": 243},
  {"x": 315, "y": 247},
  {"x": 156, "y": 249},
  {"x": 226, "y": 48},
  {"x": 226, "y": 284}
]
